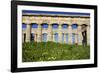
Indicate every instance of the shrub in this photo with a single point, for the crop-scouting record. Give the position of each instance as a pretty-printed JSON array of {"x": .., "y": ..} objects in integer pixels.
[{"x": 50, "y": 51}]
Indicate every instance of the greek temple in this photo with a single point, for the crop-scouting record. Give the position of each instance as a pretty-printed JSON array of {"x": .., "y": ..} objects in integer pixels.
[{"x": 60, "y": 27}]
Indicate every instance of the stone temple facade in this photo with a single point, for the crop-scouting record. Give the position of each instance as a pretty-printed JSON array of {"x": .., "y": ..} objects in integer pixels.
[{"x": 61, "y": 27}]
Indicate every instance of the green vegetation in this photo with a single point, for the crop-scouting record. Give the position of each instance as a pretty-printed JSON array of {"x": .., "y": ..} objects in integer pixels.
[{"x": 50, "y": 51}]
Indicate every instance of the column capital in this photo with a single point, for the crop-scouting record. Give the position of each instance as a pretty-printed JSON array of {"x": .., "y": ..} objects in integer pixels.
[
  {"x": 39, "y": 26},
  {"x": 79, "y": 25},
  {"x": 69, "y": 26},
  {"x": 60, "y": 25},
  {"x": 49, "y": 25}
]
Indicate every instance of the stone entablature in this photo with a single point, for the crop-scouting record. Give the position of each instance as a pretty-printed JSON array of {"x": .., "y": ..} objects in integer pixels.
[{"x": 59, "y": 20}]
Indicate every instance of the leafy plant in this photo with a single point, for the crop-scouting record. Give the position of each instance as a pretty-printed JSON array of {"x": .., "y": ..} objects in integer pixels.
[{"x": 51, "y": 51}]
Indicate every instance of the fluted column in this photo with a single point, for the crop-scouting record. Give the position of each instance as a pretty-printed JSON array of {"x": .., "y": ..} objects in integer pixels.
[
  {"x": 76, "y": 37},
  {"x": 28, "y": 33},
  {"x": 79, "y": 35},
  {"x": 60, "y": 33},
  {"x": 35, "y": 37},
  {"x": 88, "y": 35},
  {"x": 69, "y": 34},
  {"x": 39, "y": 33},
  {"x": 50, "y": 38},
  {"x": 23, "y": 37},
  {"x": 53, "y": 37},
  {"x": 64, "y": 37}
]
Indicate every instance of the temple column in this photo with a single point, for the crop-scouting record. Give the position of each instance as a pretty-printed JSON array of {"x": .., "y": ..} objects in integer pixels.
[
  {"x": 50, "y": 38},
  {"x": 28, "y": 33},
  {"x": 53, "y": 37},
  {"x": 39, "y": 33},
  {"x": 76, "y": 37},
  {"x": 88, "y": 35},
  {"x": 23, "y": 37},
  {"x": 79, "y": 35},
  {"x": 60, "y": 33},
  {"x": 35, "y": 37},
  {"x": 64, "y": 37},
  {"x": 69, "y": 34}
]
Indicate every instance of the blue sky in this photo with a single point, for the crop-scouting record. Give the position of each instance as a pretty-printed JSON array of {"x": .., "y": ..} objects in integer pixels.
[{"x": 54, "y": 12}]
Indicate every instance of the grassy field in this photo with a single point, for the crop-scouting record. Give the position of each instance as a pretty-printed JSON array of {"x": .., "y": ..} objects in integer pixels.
[{"x": 50, "y": 51}]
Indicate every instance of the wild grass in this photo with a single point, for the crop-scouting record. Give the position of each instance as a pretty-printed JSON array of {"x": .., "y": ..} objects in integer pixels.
[{"x": 50, "y": 51}]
